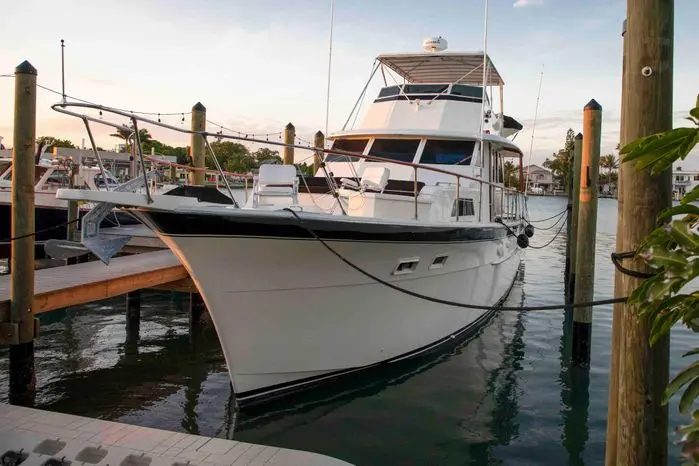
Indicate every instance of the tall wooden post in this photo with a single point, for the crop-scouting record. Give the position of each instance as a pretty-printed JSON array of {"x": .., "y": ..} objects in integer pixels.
[
  {"x": 289, "y": 138},
  {"x": 196, "y": 309},
  {"x": 569, "y": 224},
  {"x": 197, "y": 177},
  {"x": 319, "y": 142},
  {"x": 22, "y": 377},
  {"x": 73, "y": 212},
  {"x": 577, "y": 160},
  {"x": 613, "y": 399},
  {"x": 642, "y": 422},
  {"x": 587, "y": 231}
]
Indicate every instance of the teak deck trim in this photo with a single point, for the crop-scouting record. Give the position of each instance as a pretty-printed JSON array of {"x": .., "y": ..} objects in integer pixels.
[{"x": 72, "y": 285}]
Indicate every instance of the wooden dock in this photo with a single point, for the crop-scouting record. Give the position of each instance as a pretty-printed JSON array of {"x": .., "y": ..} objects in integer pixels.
[
  {"x": 39, "y": 436},
  {"x": 71, "y": 285}
]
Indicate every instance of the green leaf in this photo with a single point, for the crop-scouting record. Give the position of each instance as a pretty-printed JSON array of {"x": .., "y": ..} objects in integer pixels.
[
  {"x": 678, "y": 210},
  {"x": 633, "y": 145},
  {"x": 662, "y": 324},
  {"x": 659, "y": 257},
  {"x": 690, "y": 394},
  {"x": 685, "y": 376},
  {"x": 691, "y": 196},
  {"x": 691, "y": 352},
  {"x": 695, "y": 111},
  {"x": 681, "y": 233}
]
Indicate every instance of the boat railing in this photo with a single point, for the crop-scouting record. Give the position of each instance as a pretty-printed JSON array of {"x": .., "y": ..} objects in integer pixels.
[{"x": 512, "y": 206}]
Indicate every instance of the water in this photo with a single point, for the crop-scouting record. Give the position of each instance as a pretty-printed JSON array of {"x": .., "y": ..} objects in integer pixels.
[{"x": 505, "y": 397}]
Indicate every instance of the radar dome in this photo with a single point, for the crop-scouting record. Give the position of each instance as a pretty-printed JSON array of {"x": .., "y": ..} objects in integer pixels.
[{"x": 434, "y": 44}]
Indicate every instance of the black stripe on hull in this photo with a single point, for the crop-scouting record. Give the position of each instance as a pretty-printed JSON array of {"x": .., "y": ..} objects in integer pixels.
[
  {"x": 255, "y": 398},
  {"x": 286, "y": 226},
  {"x": 47, "y": 217}
]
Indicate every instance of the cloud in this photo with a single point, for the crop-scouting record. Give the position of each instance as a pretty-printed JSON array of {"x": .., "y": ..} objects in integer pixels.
[{"x": 523, "y": 3}]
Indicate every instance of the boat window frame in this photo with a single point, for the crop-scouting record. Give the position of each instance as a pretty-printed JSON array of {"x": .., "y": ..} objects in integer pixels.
[
  {"x": 428, "y": 139},
  {"x": 418, "y": 150}
]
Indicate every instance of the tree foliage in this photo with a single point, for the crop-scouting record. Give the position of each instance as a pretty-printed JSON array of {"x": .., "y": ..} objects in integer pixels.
[
  {"x": 511, "y": 175},
  {"x": 672, "y": 250},
  {"x": 561, "y": 163},
  {"x": 609, "y": 162},
  {"x": 50, "y": 141}
]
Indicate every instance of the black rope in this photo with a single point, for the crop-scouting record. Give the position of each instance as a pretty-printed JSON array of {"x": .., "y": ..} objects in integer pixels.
[
  {"x": 549, "y": 218},
  {"x": 64, "y": 224},
  {"x": 552, "y": 226},
  {"x": 617, "y": 256},
  {"x": 444, "y": 301},
  {"x": 552, "y": 239}
]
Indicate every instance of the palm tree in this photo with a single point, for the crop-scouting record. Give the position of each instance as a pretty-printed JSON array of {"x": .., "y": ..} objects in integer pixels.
[
  {"x": 123, "y": 132},
  {"x": 610, "y": 163},
  {"x": 511, "y": 180}
]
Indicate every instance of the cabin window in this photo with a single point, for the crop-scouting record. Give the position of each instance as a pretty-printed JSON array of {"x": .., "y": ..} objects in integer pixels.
[
  {"x": 349, "y": 145},
  {"x": 389, "y": 91},
  {"x": 448, "y": 152},
  {"x": 425, "y": 88},
  {"x": 402, "y": 150},
  {"x": 465, "y": 207},
  {"x": 467, "y": 91}
]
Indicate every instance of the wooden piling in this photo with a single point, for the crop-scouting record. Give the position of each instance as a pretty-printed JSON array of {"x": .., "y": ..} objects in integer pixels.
[
  {"x": 196, "y": 309},
  {"x": 289, "y": 138},
  {"x": 133, "y": 311},
  {"x": 587, "y": 231},
  {"x": 72, "y": 233},
  {"x": 569, "y": 226},
  {"x": 197, "y": 177},
  {"x": 23, "y": 325},
  {"x": 613, "y": 398},
  {"x": 318, "y": 142},
  {"x": 577, "y": 159},
  {"x": 641, "y": 419}
]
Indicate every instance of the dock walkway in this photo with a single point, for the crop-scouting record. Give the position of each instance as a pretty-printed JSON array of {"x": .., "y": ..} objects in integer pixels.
[
  {"x": 68, "y": 439},
  {"x": 71, "y": 285}
]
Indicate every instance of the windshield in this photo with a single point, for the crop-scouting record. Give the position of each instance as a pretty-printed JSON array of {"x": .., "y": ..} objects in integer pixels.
[
  {"x": 395, "y": 149},
  {"x": 349, "y": 145},
  {"x": 442, "y": 152}
]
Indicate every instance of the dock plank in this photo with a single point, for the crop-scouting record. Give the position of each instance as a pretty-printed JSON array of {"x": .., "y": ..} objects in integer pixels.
[
  {"x": 71, "y": 285},
  {"x": 28, "y": 429}
]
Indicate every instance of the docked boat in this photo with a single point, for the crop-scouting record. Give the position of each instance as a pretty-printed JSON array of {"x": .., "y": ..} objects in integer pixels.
[
  {"x": 318, "y": 277},
  {"x": 50, "y": 211}
]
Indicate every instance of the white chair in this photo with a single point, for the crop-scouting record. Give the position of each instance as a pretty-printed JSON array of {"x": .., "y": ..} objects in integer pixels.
[
  {"x": 375, "y": 178},
  {"x": 275, "y": 181}
]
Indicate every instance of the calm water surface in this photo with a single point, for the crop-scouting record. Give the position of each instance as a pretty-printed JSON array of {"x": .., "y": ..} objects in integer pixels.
[{"x": 506, "y": 396}]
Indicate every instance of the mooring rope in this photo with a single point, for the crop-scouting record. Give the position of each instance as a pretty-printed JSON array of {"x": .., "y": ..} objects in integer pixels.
[
  {"x": 64, "y": 224},
  {"x": 549, "y": 218},
  {"x": 551, "y": 307},
  {"x": 552, "y": 239}
]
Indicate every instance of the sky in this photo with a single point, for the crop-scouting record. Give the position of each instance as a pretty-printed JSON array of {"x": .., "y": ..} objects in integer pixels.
[{"x": 257, "y": 65}]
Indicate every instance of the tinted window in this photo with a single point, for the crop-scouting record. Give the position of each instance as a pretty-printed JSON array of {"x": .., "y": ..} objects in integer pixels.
[
  {"x": 389, "y": 91},
  {"x": 469, "y": 91},
  {"x": 448, "y": 152},
  {"x": 395, "y": 149},
  {"x": 424, "y": 88},
  {"x": 349, "y": 145}
]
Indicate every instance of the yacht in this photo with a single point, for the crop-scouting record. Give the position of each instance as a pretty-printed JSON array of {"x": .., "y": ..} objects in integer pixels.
[{"x": 314, "y": 278}]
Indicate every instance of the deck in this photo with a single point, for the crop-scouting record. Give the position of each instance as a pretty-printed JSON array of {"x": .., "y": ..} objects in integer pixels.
[
  {"x": 43, "y": 435},
  {"x": 71, "y": 285}
]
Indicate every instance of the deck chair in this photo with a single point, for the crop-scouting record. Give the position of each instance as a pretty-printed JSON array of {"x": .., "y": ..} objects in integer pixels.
[
  {"x": 375, "y": 178},
  {"x": 275, "y": 181}
]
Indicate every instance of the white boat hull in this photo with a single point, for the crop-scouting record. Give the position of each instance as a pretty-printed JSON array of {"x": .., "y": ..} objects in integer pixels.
[{"x": 289, "y": 313}]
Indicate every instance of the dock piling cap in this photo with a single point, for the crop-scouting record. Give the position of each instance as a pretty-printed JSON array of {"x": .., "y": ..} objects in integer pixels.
[
  {"x": 25, "y": 68},
  {"x": 593, "y": 105},
  {"x": 579, "y": 136},
  {"x": 199, "y": 107}
]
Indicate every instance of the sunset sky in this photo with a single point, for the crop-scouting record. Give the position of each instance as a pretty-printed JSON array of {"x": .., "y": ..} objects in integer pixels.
[{"x": 257, "y": 65}]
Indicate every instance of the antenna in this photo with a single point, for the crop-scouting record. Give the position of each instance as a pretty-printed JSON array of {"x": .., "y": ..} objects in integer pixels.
[
  {"x": 63, "y": 71},
  {"x": 330, "y": 57},
  {"x": 531, "y": 144},
  {"x": 482, "y": 123}
]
